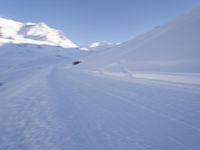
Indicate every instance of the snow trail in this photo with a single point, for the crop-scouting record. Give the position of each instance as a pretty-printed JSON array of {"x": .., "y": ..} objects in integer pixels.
[{"x": 59, "y": 107}]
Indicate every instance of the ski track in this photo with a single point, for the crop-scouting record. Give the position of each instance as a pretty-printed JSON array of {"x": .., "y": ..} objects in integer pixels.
[{"x": 59, "y": 107}]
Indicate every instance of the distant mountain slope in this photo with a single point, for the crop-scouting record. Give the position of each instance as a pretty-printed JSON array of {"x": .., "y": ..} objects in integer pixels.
[
  {"x": 174, "y": 46},
  {"x": 96, "y": 46},
  {"x": 32, "y": 33}
]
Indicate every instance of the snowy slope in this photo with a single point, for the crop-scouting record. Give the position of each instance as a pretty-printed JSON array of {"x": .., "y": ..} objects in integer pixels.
[
  {"x": 49, "y": 104},
  {"x": 32, "y": 33},
  {"x": 173, "y": 47},
  {"x": 46, "y": 103}
]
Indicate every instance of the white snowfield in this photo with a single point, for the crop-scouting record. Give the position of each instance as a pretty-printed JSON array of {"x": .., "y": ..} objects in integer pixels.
[{"x": 140, "y": 95}]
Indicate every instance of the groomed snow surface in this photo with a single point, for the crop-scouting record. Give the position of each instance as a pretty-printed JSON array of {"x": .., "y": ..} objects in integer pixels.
[
  {"x": 122, "y": 98},
  {"x": 46, "y": 103}
]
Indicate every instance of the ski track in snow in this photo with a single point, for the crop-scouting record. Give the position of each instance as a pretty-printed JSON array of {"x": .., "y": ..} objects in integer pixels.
[
  {"x": 59, "y": 107},
  {"x": 143, "y": 94}
]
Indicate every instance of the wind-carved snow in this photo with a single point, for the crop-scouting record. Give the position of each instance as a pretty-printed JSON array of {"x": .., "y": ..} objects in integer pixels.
[
  {"x": 104, "y": 103},
  {"x": 32, "y": 33}
]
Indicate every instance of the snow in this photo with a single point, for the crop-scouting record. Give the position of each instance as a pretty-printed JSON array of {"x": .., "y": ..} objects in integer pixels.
[
  {"x": 48, "y": 105},
  {"x": 9, "y": 28},
  {"x": 99, "y": 46},
  {"x": 140, "y": 95},
  {"x": 173, "y": 47},
  {"x": 32, "y": 33}
]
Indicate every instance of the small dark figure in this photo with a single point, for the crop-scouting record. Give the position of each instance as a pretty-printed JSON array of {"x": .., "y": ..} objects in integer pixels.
[{"x": 76, "y": 62}]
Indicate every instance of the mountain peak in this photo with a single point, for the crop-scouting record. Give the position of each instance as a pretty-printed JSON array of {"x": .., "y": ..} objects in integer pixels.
[
  {"x": 100, "y": 46},
  {"x": 32, "y": 33}
]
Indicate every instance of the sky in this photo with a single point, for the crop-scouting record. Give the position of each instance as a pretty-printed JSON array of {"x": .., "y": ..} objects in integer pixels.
[{"x": 87, "y": 21}]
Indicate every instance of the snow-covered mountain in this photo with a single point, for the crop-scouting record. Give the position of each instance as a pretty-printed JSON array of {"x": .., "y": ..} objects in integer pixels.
[
  {"x": 173, "y": 47},
  {"x": 32, "y": 33},
  {"x": 96, "y": 46},
  {"x": 49, "y": 103}
]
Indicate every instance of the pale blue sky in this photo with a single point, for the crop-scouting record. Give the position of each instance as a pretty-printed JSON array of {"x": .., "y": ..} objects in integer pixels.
[{"x": 86, "y": 21}]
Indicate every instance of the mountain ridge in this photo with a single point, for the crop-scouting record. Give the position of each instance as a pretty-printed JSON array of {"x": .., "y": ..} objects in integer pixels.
[{"x": 32, "y": 33}]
